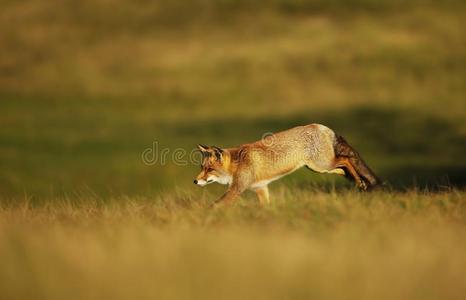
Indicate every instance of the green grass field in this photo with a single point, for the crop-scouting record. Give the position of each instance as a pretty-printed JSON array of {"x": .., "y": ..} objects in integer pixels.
[{"x": 87, "y": 87}]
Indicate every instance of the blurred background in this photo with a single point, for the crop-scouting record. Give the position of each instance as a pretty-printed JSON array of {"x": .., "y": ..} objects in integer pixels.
[{"x": 86, "y": 86}]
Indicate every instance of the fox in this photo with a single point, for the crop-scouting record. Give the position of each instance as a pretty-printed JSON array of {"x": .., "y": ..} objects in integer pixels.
[{"x": 254, "y": 166}]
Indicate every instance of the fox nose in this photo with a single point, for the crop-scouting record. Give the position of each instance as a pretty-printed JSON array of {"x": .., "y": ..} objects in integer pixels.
[{"x": 195, "y": 181}]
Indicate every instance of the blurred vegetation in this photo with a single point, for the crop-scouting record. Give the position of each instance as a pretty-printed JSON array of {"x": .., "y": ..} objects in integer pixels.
[
  {"x": 87, "y": 86},
  {"x": 306, "y": 244}
]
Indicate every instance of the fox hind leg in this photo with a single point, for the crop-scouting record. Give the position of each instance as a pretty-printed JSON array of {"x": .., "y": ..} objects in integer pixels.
[
  {"x": 344, "y": 162},
  {"x": 338, "y": 171}
]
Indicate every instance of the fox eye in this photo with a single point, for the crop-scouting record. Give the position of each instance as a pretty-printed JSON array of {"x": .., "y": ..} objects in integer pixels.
[{"x": 209, "y": 169}]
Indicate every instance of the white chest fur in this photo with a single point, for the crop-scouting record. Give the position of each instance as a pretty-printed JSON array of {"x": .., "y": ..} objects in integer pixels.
[{"x": 224, "y": 179}]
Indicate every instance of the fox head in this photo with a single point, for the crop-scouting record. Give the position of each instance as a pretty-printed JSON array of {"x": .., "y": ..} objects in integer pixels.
[{"x": 213, "y": 167}]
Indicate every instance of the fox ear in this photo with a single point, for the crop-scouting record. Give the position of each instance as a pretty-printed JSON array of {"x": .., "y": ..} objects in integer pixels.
[
  {"x": 218, "y": 153},
  {"x": 202, "y": 148}
]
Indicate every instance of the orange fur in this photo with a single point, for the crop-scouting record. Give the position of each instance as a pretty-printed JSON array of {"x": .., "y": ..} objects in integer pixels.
[{"x": 253, "y": 166}]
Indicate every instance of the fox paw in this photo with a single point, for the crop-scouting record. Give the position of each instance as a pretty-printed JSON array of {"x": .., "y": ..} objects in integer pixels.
[{"x": 362, "y": 185}]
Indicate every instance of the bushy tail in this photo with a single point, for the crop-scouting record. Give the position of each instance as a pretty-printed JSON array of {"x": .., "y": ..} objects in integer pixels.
[{"x": 343, "y": 149}]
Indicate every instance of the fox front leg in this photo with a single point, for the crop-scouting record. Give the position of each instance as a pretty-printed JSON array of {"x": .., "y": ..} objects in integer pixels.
[
  {"x": 227, "y": 198},
  {"x": 263, "y": 195},
  {"x": 230, "y": 195},
  {"x": 241, "y": 182}
]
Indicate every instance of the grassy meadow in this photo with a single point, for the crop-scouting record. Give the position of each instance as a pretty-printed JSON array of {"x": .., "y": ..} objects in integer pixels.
[
  {"x": 306, "y": 245},
  {"x": 86, "y": 88}
]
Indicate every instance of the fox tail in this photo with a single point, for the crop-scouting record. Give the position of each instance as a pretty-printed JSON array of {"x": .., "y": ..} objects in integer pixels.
[{"x": 343, "y": 149}]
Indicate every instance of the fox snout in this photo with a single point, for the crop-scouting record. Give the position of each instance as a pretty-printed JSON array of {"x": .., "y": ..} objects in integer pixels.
[
  {"x": 207, "y": 176},
  {"x": 203, "y": 178},
  {"x": 202, "y": 182}
]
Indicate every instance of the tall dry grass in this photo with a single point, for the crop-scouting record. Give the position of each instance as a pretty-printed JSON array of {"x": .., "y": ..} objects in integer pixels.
[{"x": 325, "y": 245}]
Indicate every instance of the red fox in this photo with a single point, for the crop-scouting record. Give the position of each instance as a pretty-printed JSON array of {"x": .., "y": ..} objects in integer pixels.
[{"x": 253, "y": 166}]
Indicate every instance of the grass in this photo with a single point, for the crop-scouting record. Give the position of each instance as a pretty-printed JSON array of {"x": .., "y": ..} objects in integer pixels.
[{"x": 307, "y": 244}]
